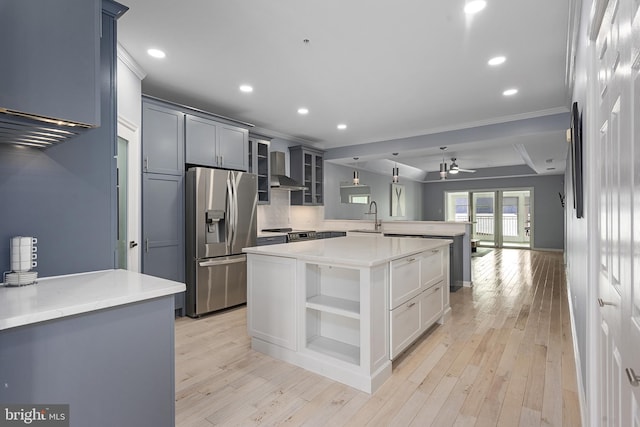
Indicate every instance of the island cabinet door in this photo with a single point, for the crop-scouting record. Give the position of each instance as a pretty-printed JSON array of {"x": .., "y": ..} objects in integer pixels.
[
  {"x": 431, "y": 306},
  {"x": 271, "y": 299},
  {"x": 405, "y": 325},
  {"x": 405, "y": 280},
  {"x": 432, "y": 267}
]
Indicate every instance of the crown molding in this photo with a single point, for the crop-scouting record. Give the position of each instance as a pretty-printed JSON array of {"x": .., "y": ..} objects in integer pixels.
[{"x": 131, "y": 63}]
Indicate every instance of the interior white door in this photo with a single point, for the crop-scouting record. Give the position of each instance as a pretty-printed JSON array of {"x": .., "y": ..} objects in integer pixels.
[
  {"x": 632, "y": 309},
  {"x": 617, "y": 57},
  {"x": 131, "y": 134},
  {"x": 610, "y": 117}
]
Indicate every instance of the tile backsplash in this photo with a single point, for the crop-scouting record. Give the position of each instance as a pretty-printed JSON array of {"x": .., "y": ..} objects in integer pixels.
[
  {"x": 280, "y": 214},
  {"x": 276, "y": 214}
]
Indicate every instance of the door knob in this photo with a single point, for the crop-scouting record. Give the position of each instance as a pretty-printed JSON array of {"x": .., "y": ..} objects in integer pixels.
[
  {"x": 132, "y": 244},
  {"x": 633, "y": 378}
]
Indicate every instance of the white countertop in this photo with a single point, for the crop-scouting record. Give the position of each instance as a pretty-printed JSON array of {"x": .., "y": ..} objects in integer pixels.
[
  {"x": 444, "y": 233},
  {"x": 364, "y": 251},
  {"x": 62, "y": 296},
  {"x": 271, "y": 233}
]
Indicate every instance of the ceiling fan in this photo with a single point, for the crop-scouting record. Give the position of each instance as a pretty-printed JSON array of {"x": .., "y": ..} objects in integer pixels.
[{"x": 453, "y": 169}]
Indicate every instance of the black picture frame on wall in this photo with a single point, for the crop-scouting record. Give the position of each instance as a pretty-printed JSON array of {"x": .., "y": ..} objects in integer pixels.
[{"x": 576, "y": 160}]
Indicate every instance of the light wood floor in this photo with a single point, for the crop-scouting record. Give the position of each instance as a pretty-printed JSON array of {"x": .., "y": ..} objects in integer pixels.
[{"x": 505, "y": 358}]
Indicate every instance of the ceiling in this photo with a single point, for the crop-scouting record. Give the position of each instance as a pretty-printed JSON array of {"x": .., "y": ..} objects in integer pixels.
[{"x": 388, "y": 70}]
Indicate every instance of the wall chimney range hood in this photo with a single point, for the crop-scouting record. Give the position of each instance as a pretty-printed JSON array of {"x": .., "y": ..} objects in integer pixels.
[{"x": 279, "y": 179}]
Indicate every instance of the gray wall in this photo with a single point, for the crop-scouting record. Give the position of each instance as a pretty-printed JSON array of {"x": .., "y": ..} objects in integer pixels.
[
  {"x": 380, "y": 192},
  {"x": 65, "y": 195},
  {"x": 548, "y": 230}
]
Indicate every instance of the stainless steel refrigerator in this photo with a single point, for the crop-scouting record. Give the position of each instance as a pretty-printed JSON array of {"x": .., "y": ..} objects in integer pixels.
[{"x": 221, "y": 220}]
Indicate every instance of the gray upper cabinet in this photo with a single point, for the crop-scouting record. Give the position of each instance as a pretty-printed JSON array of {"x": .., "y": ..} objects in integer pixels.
[
  {"x": 55, "y": 62},
  {"x": 50, "y": 73},
  {"x": 233, "y": 144},
  {"x": 215, "y": 144},
  {"x": 307, "y": 167},
  {"x": 201, "y": 137},
  {"x": 259, "y": 164},
  {"x": 162, "y": 139}
]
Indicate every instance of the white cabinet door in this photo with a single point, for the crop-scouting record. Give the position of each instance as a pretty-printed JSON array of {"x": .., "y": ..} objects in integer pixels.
[
  {"x": 431, "y": 306},
  {"x": 405, "y": 279},
  {"x": 271, "y": 299},
  {"x": 432, "y": 267},
  {"x": 405, "y": 325}
]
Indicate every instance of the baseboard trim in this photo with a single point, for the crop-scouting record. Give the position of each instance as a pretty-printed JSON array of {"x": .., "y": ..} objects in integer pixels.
[
  {"x": 576, "y": 356},
  {"x": 467, "y": 284},
  {"x": 548, "y": 249}
]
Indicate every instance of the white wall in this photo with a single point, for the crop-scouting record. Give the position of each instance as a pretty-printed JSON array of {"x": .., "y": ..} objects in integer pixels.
[
  {"x": 130, "y": 77},
  {"x": 576, "y": 233}
]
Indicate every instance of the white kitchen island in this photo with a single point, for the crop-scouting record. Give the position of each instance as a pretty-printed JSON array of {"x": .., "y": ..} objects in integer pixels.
[{"x": 346, "y": 307}]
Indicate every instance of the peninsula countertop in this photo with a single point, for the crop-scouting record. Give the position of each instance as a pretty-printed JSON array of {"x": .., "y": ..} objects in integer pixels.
[
  {"x": 62, "y": 296},
  {"x": 360, "y": 251}
]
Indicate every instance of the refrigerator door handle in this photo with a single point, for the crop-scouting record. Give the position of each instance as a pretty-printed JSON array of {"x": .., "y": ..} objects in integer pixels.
[
  {"x": 213, "y": 263},
  {"x": 235, "y": 210},
  {"x": 230, "y": 211}
]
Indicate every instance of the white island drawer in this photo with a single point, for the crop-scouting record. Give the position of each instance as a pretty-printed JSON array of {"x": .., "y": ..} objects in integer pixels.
[
  {"x": 405, "y": 280},
  {"x": 405, "y": 326},
  {"x": 431, "y": 306}
]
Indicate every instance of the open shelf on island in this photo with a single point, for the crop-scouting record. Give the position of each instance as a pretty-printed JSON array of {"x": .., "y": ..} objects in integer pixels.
[
  {"x": 340, "y": 306},
  {"x": 336, "y": 349}
]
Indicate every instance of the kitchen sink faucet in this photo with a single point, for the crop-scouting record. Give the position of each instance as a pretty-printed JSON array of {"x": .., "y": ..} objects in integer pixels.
[{"x": 376, "y": 224}]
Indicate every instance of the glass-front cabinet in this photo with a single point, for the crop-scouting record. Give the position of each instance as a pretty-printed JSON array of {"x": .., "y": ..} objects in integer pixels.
[
  {"x": 307, "y": 168},
  {"x": 259, "y": 165}
]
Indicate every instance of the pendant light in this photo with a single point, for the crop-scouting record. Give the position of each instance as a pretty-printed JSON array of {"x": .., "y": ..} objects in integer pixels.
[
  {"x": 395, "y": 173},
  {"x": 356, "y": 175}
]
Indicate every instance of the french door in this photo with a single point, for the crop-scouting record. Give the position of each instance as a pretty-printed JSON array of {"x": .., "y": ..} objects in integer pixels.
[{"x": 500, "y": 218}]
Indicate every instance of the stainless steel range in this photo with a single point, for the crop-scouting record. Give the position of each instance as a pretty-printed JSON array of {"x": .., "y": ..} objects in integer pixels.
[{"x": 293, "y": 235}]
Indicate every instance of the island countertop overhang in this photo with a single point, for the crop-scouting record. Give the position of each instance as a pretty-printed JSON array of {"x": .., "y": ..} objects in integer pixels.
[{"x": 357, "y": 251}]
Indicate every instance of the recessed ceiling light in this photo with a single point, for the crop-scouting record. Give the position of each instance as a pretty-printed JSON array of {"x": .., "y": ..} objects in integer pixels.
[
  {"x": 510, "y": 92},
  {"x": 246, "y": 88},
  {"x": 156, "y": 53},
  {"x": 342, "y": 126},
  {"x": 474, "y": 6},
  {"x": 496, "y": 60},
  {"x": 303, "y": 111}
]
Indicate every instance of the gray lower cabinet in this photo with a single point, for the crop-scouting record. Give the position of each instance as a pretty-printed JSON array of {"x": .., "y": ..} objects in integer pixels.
[
  {"x": 163, "y": 228},
  {"x": 330, "y": 234},
  {"x": 162, "y": 138},
  {"x": 270, "y": 240},
  {"x": 215, "y": 144},
  {"x": 113, "y": 367}
]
